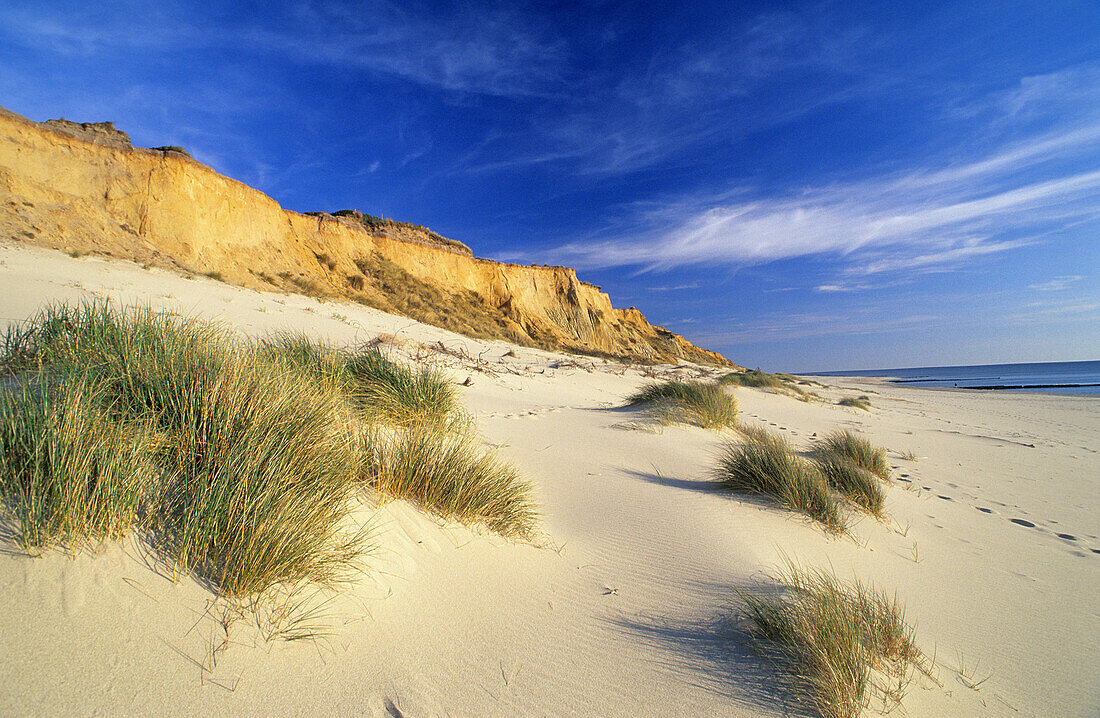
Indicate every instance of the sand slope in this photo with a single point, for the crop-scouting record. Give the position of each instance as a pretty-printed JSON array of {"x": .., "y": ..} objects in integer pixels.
[{"x": 992, "y": 545}]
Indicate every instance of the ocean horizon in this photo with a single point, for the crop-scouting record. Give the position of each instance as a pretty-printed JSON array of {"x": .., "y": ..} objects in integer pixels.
[{"x": 1074, "y": 377}]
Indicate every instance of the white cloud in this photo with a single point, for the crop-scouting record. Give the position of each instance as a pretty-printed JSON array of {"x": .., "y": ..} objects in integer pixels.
[
  {"x": 924, "y": 218},
  {"x": 796, "y": 325},
  {"x": 1073, "y": 310},
  {"x": 1057, "y": 284}
]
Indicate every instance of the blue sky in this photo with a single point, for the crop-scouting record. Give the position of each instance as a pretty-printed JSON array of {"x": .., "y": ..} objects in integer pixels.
[{"x": 801, "y": 186}]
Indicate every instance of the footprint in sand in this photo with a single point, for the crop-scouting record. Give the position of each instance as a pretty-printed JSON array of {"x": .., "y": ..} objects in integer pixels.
[
  {"x": 1023, "y": 522},
  {"x": 945, "y": 498},
  {"x": 984, "y": 510},
  {"x": 1067, "y": 537}
]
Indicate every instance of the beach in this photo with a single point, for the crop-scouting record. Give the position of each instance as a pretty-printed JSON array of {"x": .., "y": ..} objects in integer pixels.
[{"x": 626, "y": 603}]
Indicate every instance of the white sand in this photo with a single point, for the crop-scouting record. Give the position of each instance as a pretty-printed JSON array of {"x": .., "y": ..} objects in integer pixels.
[{"x": 624, "y": 614}]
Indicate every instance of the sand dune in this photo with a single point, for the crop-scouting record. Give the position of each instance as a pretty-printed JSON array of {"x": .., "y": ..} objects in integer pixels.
[{"x": 992, "y": 543}]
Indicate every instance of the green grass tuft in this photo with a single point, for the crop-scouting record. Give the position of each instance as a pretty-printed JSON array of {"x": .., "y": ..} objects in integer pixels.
[
  {"x": 254, "y": 463},
  {"x": 754, "y": 378},
  {"x": 68, "y": 474},
  {"x": 841, "y": 644},
  {"x": 238, "y": 460},
  {"x": 856, "y": 402},
  {"x": 707, "y": 405},
  {"x": 262, "y": 466},
  {"x": 449, "y": 475},
  {"x": 399, "y": 395},
  {"x": 860, "y": 451},
  {"x": 382, "y": 390},
  {"x": 856, "y": 484},
  {"x": 767, "y": 465}
]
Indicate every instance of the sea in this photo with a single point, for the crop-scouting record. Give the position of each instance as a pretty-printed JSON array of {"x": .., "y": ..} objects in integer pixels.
[{"x": 1068, "y": 377}]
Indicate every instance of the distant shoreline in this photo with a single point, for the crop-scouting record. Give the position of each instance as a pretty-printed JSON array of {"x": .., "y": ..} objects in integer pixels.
[{"x": 1078, "y": 377}]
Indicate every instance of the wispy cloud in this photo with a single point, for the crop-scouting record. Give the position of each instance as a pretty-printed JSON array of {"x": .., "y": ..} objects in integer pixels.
[
  {"x": 491, "y": 52},
  {"x": 1070, "y": 310},
  {"x": 1057, "y": 284},
  {"x": 923, "y": 218},
  {"x": 802, "y": 325},
  {"x": 686, "y": 96},
  {"x": 675, "y": 288}
]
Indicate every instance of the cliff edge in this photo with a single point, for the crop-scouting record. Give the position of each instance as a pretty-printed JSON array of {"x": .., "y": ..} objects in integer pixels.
[{"x": 83, "y": 187}]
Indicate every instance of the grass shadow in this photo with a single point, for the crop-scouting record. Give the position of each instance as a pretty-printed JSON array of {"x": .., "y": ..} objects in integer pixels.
[
  {"x": 716, "y": 654},
  {"x": 702, "y": 486}
]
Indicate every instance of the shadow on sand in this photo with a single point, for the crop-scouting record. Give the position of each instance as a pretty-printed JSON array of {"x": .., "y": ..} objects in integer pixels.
[{"x": 716, "y": 654}]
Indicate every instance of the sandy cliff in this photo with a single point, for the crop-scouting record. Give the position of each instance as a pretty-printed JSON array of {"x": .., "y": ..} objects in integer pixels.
[{"x": 84, "y": 188}]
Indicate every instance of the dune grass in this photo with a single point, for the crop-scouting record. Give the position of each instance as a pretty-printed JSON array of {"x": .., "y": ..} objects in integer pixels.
[
  {"x": 707, "y": 405},
  {"x": 262, "y": 468},
  {"x": 449, "y": 475},
  {"x": 855, "y": 483},
  {"x": 391, "y": 392},
  {"x": 783, "y": 383},
  {"x": 859, "y": 451},
  {"x": 68, "y": 474},
  {"x": 755, "y": 432},
  {"x": 856, "y": 402},
  {"x": 754, "y": 378},
  {"x": 237, "y": 460},
  {"x": 766, "y": 464},
  {"x": 840, "y": 644},
  {"x": 254, "y": 466},
  {"x": 381, "y": 389}
]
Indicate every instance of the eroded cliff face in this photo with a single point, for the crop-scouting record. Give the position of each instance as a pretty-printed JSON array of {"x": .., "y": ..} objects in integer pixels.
[{"x": 84, "y": 188}]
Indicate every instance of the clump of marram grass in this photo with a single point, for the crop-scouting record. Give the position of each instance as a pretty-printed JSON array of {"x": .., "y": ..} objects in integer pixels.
[
  {"x": 381, "y": 389},
  {"x": 396, "y": 394},
  {"x": 754, "y": 432},
  {"x": 766, "y": 464},
  {"x": 262, "y": 468},
  {"x": 856, "y": 402},
  {"x": 859, "y": 451},
  {"x": 450, "y": 476},
  {"x": 754, "y": 378},
  {"x": 783, "y": 383},
  {"x": 840, "y": 644},
  {"x": 855, "y": 483},
  {"x": 237, "y": 460},
  {"x": 707, "y": 405},
  {"x": 254, "y": 465},
  {"x": 67, "y": 473}
]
